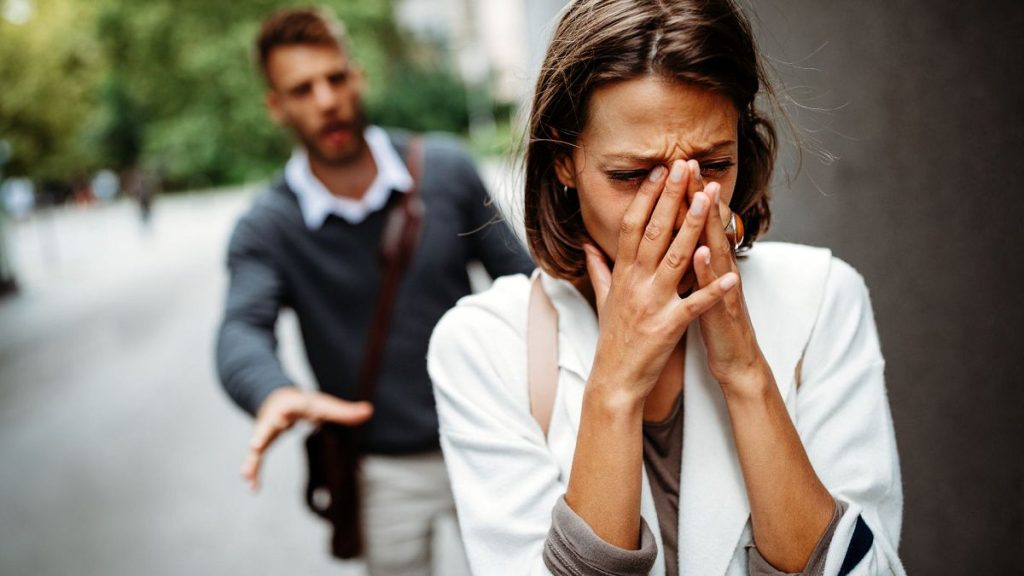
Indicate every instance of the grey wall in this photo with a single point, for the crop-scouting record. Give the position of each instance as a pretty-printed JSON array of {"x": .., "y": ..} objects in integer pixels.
[{"x": 925, "y": 201}]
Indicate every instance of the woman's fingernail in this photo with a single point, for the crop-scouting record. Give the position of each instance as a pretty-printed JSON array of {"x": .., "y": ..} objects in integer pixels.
[
  {"x": 699, "y": 203},
  {"x": 677, "y": 171},
  {"x": 657, "y": 174},
  {"x": 729, "y": 280},
  {"x": 707, "y": 255},
  {"x": 695, "y": 168},
  {"x": 712, "y": 190}
]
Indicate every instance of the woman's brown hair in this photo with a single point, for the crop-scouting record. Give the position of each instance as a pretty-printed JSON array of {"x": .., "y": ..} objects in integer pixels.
[{"x": 706, "y": 43}]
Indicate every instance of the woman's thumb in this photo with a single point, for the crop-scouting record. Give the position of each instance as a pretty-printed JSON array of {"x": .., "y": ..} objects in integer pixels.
[{"x": 600, "y": 274}]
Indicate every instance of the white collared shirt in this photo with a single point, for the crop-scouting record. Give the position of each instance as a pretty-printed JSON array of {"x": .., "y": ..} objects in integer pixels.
[{"x": 317, "y": 202}]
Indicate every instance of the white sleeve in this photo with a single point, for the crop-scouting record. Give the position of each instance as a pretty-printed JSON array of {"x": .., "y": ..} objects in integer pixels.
[
  {"x": 505, "y": 480},
  {"x": 843, "y": 418}
]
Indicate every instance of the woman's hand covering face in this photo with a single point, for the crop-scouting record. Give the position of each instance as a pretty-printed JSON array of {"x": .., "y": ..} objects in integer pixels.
[
  {"x": 635, "y": 126},
  {"x": 642, "y": 316},
  {"x": 654, "y": 184}
]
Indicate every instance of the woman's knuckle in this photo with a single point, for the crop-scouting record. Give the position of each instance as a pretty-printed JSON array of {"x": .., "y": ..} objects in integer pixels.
[
  {"x": 675, "y": 259},
  {"x": 653, "y": 231},
  {"x": 691, "y": 307},
  {"x": 629, "y": 225}
]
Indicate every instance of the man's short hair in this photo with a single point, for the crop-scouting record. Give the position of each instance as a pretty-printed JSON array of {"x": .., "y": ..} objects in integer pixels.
[{"x": 296, "y": 26}]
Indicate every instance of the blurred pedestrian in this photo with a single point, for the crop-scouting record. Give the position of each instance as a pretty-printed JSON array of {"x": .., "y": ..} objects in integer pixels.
[
  {"x": 312, "y": 242},
  {"x": 105, "y": 185},
  {"x": 143, "y": 185},
  {"x": 19, "y": 197}
]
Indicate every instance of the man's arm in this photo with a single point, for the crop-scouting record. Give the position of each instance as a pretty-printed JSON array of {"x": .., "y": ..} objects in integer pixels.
[
  {"x": 246, "y": 345},
  {"x": 246, "y": 354}
]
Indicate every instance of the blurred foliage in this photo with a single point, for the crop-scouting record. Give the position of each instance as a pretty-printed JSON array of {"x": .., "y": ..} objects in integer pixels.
[
  {"x": 422, "y": 100},
  {"x": 49, "y": 76},
  {"x": 171, "y": 86},
  {"x": 501, "y": 141}
]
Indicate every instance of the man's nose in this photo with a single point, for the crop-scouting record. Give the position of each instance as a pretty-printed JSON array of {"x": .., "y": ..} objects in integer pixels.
[{"x": 324, "y": 95}]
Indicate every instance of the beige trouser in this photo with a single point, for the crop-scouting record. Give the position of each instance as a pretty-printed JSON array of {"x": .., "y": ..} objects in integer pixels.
[{"x": 410, "y": 517}]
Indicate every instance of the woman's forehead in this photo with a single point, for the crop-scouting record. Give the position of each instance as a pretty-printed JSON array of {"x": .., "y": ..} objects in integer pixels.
[{"x": 651, "y": 117}]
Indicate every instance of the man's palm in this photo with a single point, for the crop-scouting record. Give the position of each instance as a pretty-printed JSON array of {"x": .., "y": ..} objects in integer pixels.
[{"x": 286, "y": 406}]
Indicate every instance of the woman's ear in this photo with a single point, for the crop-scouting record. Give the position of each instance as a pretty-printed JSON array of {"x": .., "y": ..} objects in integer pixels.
[{"x": 565, "y": 169}]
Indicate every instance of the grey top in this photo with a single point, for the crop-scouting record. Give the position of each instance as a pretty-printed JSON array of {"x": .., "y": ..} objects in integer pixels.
[
  {"x": 573, "y": 549},
  {"x": 330, "y": 277},
  {"x": 663, "y": 455}
]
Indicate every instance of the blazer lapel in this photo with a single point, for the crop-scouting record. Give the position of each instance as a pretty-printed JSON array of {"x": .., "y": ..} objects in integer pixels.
[
  {"x": 712, "y": 496},
  {"x": 783, "y": 313}
]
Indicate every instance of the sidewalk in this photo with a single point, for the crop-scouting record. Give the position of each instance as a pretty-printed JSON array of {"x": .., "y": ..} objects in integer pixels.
[{"x": 119, "y": 453}]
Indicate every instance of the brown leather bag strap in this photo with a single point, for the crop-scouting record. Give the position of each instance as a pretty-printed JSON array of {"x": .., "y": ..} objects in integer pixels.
[
  {"x": 541, "y": 353},
  {"x": 398, "y": 244}
]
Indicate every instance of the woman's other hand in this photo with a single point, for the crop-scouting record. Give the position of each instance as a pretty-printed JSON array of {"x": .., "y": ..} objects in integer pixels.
[{"x": 734, "y": 357}]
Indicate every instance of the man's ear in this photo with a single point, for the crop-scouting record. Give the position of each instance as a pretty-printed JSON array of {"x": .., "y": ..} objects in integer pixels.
[
  {"x": 565, "y": 170},
  {"x": 358, "y": 78},
  {"x": 274, "y": 107}
]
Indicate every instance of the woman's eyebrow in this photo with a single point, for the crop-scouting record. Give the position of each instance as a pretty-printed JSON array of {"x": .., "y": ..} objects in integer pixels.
[{"x": 657, "y": 158}]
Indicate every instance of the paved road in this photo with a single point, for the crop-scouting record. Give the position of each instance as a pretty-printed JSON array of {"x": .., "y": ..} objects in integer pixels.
[{"x": 118, "y": 451}]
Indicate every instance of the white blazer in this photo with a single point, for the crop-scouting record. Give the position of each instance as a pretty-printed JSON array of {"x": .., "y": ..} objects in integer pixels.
[{"x": 804, "y": 304}]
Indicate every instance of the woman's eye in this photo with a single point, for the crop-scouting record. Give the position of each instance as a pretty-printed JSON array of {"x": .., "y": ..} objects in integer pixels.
[
  {"x": 628, "y": 176},
  {"x": 709, "y": 170},
  {"x": 715, "y": 169}
]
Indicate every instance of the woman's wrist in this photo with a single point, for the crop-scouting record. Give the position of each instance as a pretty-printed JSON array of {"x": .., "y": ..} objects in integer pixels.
[
  {"x": 617, "y": 387},
  {"x": 612, "y": 400},
  {"x": 749, "y": 385}
]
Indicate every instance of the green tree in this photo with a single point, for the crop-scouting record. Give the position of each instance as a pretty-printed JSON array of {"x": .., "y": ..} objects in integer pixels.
[
  {"x": 171, "y": 86},
  {"x": 49, "y": 69}
]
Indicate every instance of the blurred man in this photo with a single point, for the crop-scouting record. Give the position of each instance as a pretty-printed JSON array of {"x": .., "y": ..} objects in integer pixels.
[{"x": 310, "y": 242}]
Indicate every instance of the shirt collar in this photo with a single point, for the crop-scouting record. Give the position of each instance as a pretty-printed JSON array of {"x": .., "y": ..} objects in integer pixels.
[{"x": 316, "y": 202}]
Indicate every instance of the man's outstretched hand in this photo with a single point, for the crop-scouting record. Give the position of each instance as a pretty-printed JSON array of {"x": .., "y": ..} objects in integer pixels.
[{"x": 286, "y": 406}]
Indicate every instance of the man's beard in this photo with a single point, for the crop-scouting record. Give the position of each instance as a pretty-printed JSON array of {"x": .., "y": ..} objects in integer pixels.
[{"x": 320, "y": 152}]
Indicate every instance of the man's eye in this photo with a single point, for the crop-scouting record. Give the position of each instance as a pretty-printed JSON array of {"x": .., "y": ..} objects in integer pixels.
[
  {"x": 338, "y": 78},
  {"x": 301, "y": 90}
]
